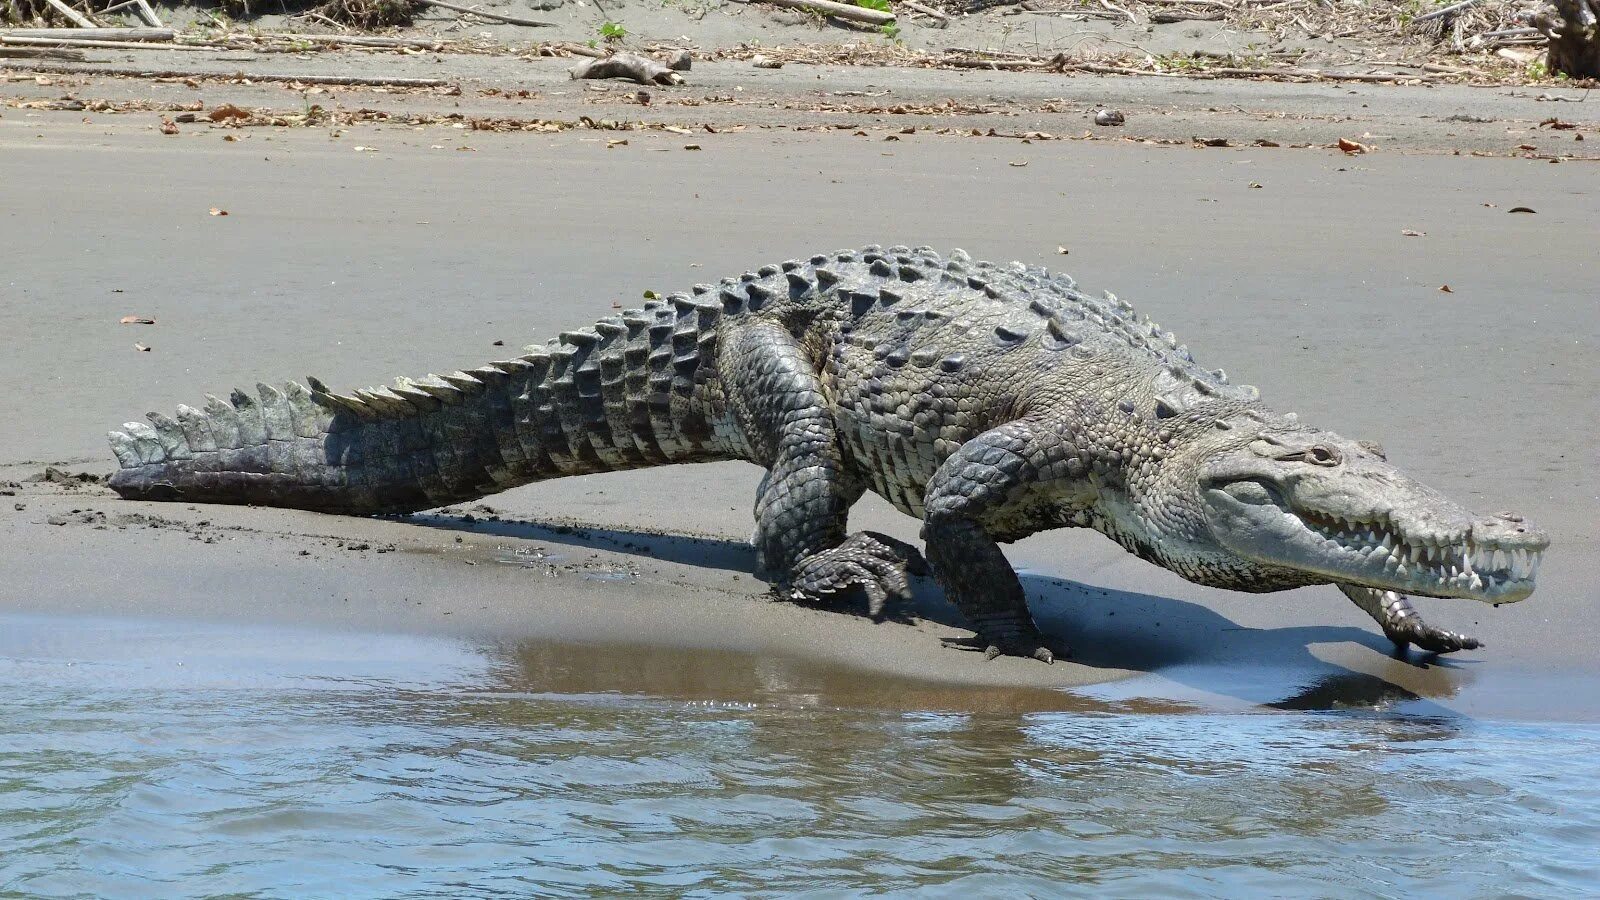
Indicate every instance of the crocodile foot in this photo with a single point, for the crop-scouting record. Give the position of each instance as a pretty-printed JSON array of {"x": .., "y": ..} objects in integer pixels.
[
  {"x": 880, "y": 565},
  {"x": 1415, "y": 632},
  {"x": 1402, "y": 623},
  {"x": 1005, "y": 635}
]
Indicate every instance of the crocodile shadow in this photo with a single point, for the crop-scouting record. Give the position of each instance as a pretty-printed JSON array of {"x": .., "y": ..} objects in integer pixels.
[{"x": 1107, "y": 628}]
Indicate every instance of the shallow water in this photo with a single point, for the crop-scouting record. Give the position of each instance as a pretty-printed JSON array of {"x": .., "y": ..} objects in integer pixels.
[{"x": 164, "y": 759}]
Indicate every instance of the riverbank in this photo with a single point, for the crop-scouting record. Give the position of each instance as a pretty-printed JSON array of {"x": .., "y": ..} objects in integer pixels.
[{"x": 366, "y": 251}]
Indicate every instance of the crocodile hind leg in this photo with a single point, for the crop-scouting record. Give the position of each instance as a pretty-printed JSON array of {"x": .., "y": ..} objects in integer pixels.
[
  {"x": 805, "y": 499},
  {"x": 976, "y": 486},
  {"x": 1402, "y": 624}
]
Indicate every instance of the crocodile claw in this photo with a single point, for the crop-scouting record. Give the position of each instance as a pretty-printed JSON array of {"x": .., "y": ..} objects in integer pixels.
[
  {"x": 1042, "y": 654},
  {"x": 880, "y": 565},
  {"x": 1430, "y": 639}
]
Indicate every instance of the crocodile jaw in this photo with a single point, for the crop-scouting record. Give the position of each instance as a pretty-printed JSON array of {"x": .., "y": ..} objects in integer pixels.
[{"x": 1443, "y": 553}]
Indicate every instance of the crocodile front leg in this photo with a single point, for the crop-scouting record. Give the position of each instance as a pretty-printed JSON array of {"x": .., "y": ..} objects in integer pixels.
[
  {"x": 1402, "y": 624},
  {"x": 975, "y": 486},
  {"x": 803, "y": 503}
]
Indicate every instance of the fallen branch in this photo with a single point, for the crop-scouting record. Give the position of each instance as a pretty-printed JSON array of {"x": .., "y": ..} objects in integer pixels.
[
  {"x": 147, "y": 14},
  {"x": 1170, "y": 17},
  {"x": 1438, "y": 13},
  {"x": 1313, "y": 74},
  {"x": 838, "y": 10},
  {"x": 106, "y": 45},
  {"x": 358, "y": 40},
  {"x": 1004, "y": 54},
  {"x": 339, "y": 80},
  {"x": 95, "y": 34},
  {"x": 996, "y": 64},
  {"x": 576, "y": 49},
  {"x": 72, "y": 15},
  {"x": 914, "y": 6},
  {"x": 511, "y": 20},
  {"x": 627, "y": 65},
  {"x": 40, "y": 53},
  {"x": 1509, "y": 32}
]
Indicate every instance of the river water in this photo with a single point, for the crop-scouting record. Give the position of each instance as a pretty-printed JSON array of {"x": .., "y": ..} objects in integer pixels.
[{"x": 161, "y": 759}]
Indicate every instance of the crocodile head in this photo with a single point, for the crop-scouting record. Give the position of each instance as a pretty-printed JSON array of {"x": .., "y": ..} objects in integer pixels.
[{"x": 1286, "y": 497}]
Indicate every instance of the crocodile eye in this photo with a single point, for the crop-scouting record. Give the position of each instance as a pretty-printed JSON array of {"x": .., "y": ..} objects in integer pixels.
[{"x": 1316, "y": 454}]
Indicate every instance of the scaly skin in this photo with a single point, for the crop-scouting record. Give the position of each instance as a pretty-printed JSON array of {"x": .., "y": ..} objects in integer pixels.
[{"x": 989, "y": 401}]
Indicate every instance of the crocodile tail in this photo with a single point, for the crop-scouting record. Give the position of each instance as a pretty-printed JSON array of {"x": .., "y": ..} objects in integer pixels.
[{"x": 617, "y": 396}]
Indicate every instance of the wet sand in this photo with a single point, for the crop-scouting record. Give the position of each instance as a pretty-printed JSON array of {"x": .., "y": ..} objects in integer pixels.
[{"x": 358, "y": 266}]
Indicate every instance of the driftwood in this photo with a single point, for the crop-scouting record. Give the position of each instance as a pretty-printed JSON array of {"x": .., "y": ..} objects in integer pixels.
[
  {"x": 106, "y": 45},
  {"x": 838, "y": 10},
  {"x": 95, "y": 34},
  {"x": 134, "y": 72},
  {"x": 40, "y": 53},
  {"x": 72, "y": 15},
  {"x": 357, "y": 40},
  {"x": 512, "y": 20},
  {"x": 1573, "y": 27},
  {"x": 627, "y": 65}
]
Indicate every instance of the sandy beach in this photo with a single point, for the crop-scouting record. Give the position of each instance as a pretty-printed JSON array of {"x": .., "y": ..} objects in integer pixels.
[{"x": 425, "y": 252}]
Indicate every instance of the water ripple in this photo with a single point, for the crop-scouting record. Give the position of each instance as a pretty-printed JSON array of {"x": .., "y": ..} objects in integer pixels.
[{"x": 460, "y": 789}]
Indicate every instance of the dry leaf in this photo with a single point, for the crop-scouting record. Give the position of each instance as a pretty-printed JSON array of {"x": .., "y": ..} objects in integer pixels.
[
  {"x": 691, "y": 146},
  {"x": 136, "y": 320},
  {"x": 230, "y": 137},
  {"x": 1017, "y": 163},
  {"x": 1521, "y": 209},
  {"x": 1526, "y": 147},
  {"x": 141, "y": 348},
  {"x": 227, "y": 112},
  {"x": 1062, "y": 250},
  {"x": 1409, "y": 233},
  {"x": 1352, "y": 147},
  {"x": 215, "y": 211},
  {"x": 1445, "y": 288},
  {"x": 616, "y": 142},
  {"x": 168, "y": 126},
  {"x": 1255, "y": 184}
]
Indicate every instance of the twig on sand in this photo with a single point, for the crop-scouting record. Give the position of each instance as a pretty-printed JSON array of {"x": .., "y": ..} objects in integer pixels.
[
  {"x": 627, "y": 65},
  {"x": 510, "y": 20},
  {"x": 838, "y": 10}
]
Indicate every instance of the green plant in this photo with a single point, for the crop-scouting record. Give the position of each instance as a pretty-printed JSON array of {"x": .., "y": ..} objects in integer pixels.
[
  {"x": 890, "y": 30},
  {"x": 612, "y": 31},
  {"x": 879, "y": 5},
  {"x": 1537, "y": 70}
]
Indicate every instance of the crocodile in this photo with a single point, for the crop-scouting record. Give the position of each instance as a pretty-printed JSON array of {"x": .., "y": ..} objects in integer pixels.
[{"x": 991, "y": 401}]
